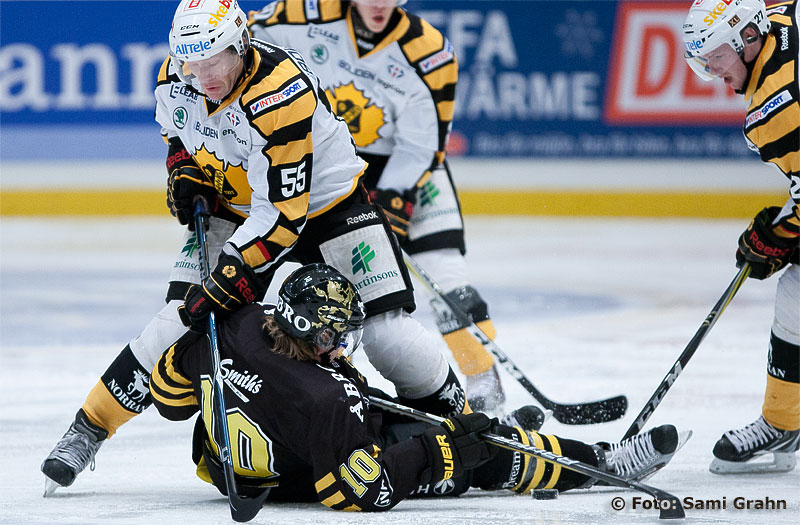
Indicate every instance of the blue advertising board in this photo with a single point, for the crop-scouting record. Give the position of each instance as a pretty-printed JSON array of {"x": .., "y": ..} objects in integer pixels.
[{"x": 537, "y": 79}]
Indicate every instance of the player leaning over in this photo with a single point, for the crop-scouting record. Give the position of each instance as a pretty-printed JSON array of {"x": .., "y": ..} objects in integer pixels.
[
  {"x": 304, "y": 412},
  {"x": 392, "y": 77},
  {"x": 251, "y": 131},
  {"x": 755, "y": 51}
]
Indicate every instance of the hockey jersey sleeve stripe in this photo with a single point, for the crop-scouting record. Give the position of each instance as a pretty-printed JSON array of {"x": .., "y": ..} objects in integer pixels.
[
  {"x": 324, "y": 482},
  {"x": 295, "y": 13},
  {"x": 540, "y": 466},
  {"x": 299, "y": 108},
  {"x": 282, "y": 237},
  {"x": 330, "y": 10},
  {"x": 428, "y": 43},
  {"x": 781, "y": 19},
  {"x": 789, "y": 163},
  {"x": 294, "y": 209},
  {"x": 443, "y": 76},
  {"x": 775, "y": 128},
  {"x": 256, "y": 255},
  {"x": 335, "y": 499},
  {"x": 773, "y": 84},
  {"x": 291, "y": 152}
]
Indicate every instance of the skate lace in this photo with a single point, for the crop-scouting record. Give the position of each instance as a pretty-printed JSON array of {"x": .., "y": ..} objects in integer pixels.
[
  {"x": 76, "y": 450},
  {"x": 757, "y": 433},
  {"x": 631, "y": 456}
]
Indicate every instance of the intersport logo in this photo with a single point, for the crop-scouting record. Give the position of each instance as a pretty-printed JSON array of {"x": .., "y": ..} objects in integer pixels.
[{"x": 650, "y": 82}]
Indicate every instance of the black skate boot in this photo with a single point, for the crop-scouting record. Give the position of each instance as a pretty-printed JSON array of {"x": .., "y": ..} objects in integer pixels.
[
  {"x": 758, "y": 447},
  {"x": 485, "y": 393},
  {"x": 640, "y": 456},
  {"x": 528, "y": 417},
  {"x": 73, "y": 452}
]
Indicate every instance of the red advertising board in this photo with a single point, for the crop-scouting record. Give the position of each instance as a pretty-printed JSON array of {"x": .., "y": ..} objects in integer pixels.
[{"x": 649, "y": 80}]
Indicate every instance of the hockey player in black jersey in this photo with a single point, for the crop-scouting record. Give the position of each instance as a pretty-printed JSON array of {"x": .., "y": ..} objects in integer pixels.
[{"x": 302, "y": 416}]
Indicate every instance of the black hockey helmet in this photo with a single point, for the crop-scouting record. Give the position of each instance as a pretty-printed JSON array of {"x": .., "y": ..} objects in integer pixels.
[{"x": 319, "y": 305}]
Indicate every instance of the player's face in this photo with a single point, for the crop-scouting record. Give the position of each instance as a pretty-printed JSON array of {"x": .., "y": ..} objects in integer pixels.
[
  {"x": 217, "y": 75},
  {"x": 725, "y": 63},
  {"x": 375, "y": 13}
]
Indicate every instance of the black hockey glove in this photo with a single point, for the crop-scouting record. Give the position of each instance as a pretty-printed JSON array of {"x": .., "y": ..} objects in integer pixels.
[
  {"x": 456, "y": 446},
  {"x": 762, "y": 248},
  {"x": 183, "y": 186},
  {"x": 230, "y": 286},
  {"x": 397, "y": 208}
]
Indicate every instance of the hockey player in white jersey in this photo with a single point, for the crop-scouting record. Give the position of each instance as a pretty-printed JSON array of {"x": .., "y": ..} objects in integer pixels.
[
  {"x": 250, "y": 130},
  {"x": 392, "y": 77}
]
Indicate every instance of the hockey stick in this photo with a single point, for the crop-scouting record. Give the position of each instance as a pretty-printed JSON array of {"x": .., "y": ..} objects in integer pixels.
[
  {"x": 688, "y": 352},
  {"x": 586, "y": 413},
  {"x": 242, "y": 508},
  {"x": 669, "y": 506}
]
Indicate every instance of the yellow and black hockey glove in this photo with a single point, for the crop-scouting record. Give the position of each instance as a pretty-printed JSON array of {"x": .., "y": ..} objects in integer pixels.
[
  {"x": 760, "y": 246},
  {"x": 230, "y": 286},
  {"x": 185, "y": 182},
  {"x": 397, "y": 208},
  {"x": 456, "y": 446}
]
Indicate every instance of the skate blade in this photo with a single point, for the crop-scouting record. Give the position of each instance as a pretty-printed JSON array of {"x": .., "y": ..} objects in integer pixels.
[
  {"x": 683, "y": 437},
  {"x": 50, "y": 486},
  {"x": 766, "y": 463}
]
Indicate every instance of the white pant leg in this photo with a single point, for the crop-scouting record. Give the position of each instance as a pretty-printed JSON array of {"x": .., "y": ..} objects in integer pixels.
[
  {"x": 405, "y": 353},
  {"x": 163, "y": 330},
  {"x": 447, "y": 267},
  {"x": 786, "y": 324}
]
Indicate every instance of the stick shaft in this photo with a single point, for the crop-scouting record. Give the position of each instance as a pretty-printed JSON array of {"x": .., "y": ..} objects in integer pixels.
[{"x": 688, "y": 352}]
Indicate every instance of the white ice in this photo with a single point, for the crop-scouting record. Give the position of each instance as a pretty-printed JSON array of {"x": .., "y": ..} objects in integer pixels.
[{"x": 587, "y": 308}]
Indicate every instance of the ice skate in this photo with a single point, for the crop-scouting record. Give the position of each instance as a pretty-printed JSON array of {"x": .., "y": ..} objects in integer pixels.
[
  {"x": 73, "y": 452},
  {"x": 528, "y": 417},
  {"x": 640, "y": 456},
  {"x": 485, "y": 393},
  {"x": 758, "y": 447}
]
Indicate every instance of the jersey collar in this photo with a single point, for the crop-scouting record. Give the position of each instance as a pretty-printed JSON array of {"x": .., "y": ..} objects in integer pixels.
[{"x": 254, "y": 60}]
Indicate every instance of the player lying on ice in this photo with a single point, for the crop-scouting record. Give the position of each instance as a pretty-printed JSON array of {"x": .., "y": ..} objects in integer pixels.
[{"x": 302, "y": 415}]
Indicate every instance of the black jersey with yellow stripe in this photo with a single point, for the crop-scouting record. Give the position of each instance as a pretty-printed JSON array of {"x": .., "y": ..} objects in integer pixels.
[
  {"x": 772, "y": 123},
  {"x": 305, "y": 425}
]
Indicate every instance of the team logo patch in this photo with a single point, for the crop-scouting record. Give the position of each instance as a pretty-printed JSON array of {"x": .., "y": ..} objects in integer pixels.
[
  {"x": 362, "y": 255},
  {"x": 396, "y": 71},
  {"x": 363, "y": 118},
  {"x": 296, "y": 87},
  {"x": 179, "y": 116},
  {"x": 319, "y": 54},
  {"x": 784, "y": 97},
  {"x": 234, "y": 118}
]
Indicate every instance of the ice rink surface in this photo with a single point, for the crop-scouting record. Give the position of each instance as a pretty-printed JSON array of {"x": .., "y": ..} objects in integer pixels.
[{"x": 587, "y": 308}]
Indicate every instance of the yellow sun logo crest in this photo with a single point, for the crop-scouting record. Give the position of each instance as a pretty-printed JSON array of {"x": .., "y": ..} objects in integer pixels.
[
  {"x": 363, "y": 118},
  {"x": 230, "y": 180}
]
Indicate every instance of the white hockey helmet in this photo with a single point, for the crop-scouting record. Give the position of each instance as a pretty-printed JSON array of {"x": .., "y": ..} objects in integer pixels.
[
  {"x": 204, "y": 28},
  {"x": 714, "y": 23}
]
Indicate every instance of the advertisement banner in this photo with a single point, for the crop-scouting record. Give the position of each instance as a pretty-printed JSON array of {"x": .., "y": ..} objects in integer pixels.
[{"x": 537, "y": 79}]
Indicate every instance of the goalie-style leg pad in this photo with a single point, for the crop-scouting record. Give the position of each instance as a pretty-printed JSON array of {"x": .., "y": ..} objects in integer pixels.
[
  {"x": 522, "y": 473},
  {"x": 122, "y": 393}
]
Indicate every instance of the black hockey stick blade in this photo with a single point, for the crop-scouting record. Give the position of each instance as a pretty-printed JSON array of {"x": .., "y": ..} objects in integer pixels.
[
  {"x": 669, "y": 506},
  {"x": 586, "y": 413},
  {"x": 243, "y": 508}
]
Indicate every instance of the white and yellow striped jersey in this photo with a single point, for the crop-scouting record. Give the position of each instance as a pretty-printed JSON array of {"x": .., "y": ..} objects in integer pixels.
[
  {"x": 772, "y": 124},
  {"x": 397, "y": 97},
  {"x": 272, "y": 148}
]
